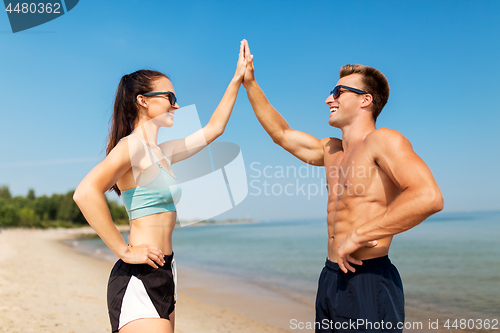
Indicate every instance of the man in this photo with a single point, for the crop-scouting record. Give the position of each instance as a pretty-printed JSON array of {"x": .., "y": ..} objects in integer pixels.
[{"x": 377, "y": 187}]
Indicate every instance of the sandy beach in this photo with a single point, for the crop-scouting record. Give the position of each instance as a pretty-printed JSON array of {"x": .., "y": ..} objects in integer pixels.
[{"x": 47, "y": 287}]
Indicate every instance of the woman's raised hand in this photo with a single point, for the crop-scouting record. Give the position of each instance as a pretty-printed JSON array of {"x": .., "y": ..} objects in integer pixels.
[
  {"x": 144, "y": 254},
  {"x": 241, "y": 65}
]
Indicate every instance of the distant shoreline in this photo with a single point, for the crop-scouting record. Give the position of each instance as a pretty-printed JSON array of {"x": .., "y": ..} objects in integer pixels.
[
  {"x": 87, "y": 229},
  {"x": 216, "y": 222}
]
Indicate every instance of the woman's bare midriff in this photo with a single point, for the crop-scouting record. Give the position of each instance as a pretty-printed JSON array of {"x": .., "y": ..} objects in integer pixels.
[{"x": 154, "y": 230}]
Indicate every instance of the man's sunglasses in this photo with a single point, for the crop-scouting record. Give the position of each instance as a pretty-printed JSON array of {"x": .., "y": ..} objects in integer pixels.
[
  {"x": 171, "y": 96},
  {"x": 336, "y": 91}
]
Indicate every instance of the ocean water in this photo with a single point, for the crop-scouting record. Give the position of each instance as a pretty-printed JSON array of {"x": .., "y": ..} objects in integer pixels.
[
  {"x": 452, "y": 261},
  {"x": 449, "y": 263}
]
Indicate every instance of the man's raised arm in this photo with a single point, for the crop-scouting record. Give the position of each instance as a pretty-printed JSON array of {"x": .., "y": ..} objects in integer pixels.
[{"x": 302, "y": 145}]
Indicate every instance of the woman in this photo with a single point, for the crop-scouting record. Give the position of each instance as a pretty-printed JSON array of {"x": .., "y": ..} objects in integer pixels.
[{"x": 141, "y": 288}]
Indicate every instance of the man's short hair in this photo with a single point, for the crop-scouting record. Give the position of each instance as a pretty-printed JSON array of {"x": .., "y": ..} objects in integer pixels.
[{"x": 374, "y": 82}]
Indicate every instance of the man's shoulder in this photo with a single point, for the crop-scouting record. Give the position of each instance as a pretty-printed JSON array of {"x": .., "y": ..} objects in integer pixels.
[
  {"x": 331, "y": 144},
  {"x": 331, "y": 140},
  {"x": 384, "y": 142},
  {"x": 385, "y": 136}
]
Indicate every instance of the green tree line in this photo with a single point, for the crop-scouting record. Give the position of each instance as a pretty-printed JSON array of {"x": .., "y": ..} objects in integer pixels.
[{"x": 58, "y": 210}]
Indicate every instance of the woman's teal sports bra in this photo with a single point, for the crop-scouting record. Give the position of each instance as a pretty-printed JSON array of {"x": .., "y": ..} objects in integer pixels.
[{"x": 157, "y": 196}]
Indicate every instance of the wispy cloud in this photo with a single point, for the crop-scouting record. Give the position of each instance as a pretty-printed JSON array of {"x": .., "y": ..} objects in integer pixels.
[{"x": 49, "y": 162}]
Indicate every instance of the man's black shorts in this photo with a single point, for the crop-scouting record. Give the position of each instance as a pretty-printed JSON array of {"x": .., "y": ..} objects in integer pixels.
[{"x": 369, "y": 300}]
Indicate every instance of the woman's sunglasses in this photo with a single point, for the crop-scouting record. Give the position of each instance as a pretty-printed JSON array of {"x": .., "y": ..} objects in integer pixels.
[
  {"x": 171, "y": 96},
  {"x": 336, "y": 91}
]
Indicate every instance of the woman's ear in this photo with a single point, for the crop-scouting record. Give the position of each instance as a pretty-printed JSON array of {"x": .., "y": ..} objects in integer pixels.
[{"x": 142, "y": 101}]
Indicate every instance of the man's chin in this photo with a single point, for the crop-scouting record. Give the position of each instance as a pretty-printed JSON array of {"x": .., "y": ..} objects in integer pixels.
[{"x": 333, "y": 123}]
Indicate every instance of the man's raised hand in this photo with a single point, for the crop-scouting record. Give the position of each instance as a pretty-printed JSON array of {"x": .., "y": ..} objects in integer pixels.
[{"x": 249, "y": 73}]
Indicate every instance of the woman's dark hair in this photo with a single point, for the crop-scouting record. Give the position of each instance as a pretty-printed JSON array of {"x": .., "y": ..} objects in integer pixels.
[{"x": 126, "y": 110}]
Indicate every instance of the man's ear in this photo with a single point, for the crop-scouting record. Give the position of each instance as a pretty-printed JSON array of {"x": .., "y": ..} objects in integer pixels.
[{"x": 367, "y": 100}]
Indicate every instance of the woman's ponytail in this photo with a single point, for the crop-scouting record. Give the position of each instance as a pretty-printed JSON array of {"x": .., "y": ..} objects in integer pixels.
[{"x": 126, "y": 110}]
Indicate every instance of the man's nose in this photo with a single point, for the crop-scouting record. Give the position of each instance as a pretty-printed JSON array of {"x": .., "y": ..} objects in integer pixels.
[{"x": 329, "y": 99}]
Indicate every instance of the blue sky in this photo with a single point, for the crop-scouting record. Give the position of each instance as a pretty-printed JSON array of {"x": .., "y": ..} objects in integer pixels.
[{"x": 441, "y": 59}]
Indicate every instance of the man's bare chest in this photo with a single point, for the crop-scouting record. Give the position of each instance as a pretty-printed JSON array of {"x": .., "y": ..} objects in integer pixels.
[{"x": 350, "y": 173}]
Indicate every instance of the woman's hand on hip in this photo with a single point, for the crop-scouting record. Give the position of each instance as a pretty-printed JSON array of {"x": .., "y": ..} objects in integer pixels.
[{"x": 144, "y": 254}]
